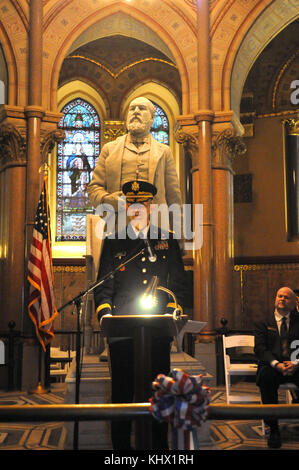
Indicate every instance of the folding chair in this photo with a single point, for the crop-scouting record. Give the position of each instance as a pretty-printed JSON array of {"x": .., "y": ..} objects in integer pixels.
[
  {"x": 245, "y": 369},
  {"x": 230, "y": 370}
]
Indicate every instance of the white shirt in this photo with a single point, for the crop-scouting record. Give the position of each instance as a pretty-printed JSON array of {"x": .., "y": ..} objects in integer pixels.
[
  {"x": 278, "y": 318},
  {"x": 143, "y": 231}
]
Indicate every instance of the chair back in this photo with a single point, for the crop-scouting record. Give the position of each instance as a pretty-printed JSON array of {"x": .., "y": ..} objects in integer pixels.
[{"x": 235, "y": 341}]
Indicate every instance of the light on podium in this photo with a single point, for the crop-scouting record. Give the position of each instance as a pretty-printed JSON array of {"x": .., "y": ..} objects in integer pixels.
[{"x": 149, "y": 298}]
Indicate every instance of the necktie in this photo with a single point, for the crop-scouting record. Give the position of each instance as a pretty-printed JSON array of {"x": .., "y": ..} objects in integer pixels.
[{"x": 284, "y": 338}]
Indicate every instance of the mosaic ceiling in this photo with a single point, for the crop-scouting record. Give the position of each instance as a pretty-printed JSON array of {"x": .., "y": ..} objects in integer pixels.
[
  {"x": 275, "y": 69},
  {"x": 116, "y": 65}
]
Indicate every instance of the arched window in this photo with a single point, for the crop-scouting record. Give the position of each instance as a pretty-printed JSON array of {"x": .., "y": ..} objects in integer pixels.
[
  {"x": 160, "y": 126},
  {"x": 76, "y": 158}
]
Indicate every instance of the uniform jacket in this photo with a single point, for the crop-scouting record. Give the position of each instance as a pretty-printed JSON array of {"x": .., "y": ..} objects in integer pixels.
[
  {"x": 267, "y": 339},
  {"x": 124, "y": 291},
  {"x": 162, "y": 172}
]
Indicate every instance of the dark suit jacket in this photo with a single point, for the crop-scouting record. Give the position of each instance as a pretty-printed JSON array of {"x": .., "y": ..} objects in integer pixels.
[
  {"x": 267, "y": 339},
  {"x": 124, "y": 291}
]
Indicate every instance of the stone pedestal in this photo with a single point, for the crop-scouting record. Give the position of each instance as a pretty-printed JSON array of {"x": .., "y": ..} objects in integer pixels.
[{"x": 95, "y": 389}]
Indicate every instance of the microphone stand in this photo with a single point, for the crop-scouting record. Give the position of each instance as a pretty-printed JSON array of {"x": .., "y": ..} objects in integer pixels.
[{"x": 77, "y": 301}]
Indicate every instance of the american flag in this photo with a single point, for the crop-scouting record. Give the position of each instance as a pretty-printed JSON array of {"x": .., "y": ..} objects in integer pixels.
[{"x": 41, "y": 305}]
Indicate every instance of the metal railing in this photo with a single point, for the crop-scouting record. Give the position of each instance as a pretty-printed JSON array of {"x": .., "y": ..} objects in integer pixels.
[{"x": 65, "y": 412}]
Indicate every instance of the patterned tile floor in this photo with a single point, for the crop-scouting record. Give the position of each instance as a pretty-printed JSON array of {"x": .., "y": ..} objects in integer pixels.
[
  {"x": 248, "y": 435},
  {"x": 32, "y": 436},
  {"x": 225, "y": 435}
]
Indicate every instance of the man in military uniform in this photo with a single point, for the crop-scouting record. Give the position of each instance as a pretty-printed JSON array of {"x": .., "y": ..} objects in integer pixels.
[{"x": 122, "y": 294}]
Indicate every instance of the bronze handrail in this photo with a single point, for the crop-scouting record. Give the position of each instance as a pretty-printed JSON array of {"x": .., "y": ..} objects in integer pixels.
[{"x": 66, "y": 412}]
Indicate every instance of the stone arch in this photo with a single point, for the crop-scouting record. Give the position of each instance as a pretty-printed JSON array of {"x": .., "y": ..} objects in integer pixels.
[
  {"x": 270, "y": 22},
  {"x": 116, "y": 25},
  {"x": 11, "y": 66},
  {"x": 137, "y": 15},
  {"x": 75, "y": 88}
]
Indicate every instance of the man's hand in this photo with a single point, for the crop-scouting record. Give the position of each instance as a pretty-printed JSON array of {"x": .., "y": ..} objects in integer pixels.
[
  {"x": 290, "y": 367},
  {"x": 286, "y": 368},
  {"x": 280, "y": 367}
]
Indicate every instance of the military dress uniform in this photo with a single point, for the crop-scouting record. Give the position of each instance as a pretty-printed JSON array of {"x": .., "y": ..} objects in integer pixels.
[{"x": 121, "y": 296}]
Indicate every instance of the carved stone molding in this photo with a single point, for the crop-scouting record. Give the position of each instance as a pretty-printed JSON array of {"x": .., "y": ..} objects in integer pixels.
[
  {"x": 189, "y": 142},
  {"x": 12, "y": 146},
  {"x": 225, "y": 147},
  {"x": 113, "y": 129},
  {"x": 48, "y": 140},
  {"x": 292, "y": 126}
]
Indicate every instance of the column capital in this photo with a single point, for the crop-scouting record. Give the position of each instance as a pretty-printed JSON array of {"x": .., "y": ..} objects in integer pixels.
[
  {"x": 12, "y": 146},
  {"x": 225, "y": 147},
  {"x": 292, "y": 125},
  {"x": 187, "y": 136},
  {"x": 227, "y": 119},
  {"x": 48, "y": 140}
]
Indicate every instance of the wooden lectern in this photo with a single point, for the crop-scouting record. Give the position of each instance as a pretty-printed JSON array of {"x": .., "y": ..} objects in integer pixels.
[{"x": 142, "y": 328}]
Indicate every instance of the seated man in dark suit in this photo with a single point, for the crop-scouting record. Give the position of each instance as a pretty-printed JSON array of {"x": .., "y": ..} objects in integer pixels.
[{"x": 273, "y": 340}]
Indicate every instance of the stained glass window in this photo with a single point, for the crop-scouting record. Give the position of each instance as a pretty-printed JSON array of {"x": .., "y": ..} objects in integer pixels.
[
  {"x": 160, "y": 126},
  {"x": 76, "y": 158}
]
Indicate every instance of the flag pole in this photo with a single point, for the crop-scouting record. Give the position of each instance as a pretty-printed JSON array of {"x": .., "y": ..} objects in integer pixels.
[{"x": 40, "y": 389}]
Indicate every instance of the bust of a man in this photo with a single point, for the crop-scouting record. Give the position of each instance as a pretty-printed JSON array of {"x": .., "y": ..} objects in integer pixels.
[{"x": 140, "y": 117}]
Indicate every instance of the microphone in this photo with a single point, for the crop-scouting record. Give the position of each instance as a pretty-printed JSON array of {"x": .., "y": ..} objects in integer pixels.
[{"x": 152, "y": 255}]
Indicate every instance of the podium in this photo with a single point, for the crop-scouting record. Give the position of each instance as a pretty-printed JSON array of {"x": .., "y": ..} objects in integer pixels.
[{"x": 142, "y": 328}]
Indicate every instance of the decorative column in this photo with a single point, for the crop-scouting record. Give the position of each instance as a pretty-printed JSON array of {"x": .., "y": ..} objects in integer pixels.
[
  {"x": 12, "y": 209},
  {"x": 202, "y": 181},
  {"x": 34, "y": 114},
  {"x": 226, "y": 146},
  {"x": 291, "y": 158}
]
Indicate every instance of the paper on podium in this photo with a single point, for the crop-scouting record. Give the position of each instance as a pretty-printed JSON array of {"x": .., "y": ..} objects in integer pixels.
[{"x": 191, "y": 326}]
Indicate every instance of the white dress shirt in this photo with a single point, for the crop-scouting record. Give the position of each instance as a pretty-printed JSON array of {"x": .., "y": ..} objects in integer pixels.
[
  {"x": 278, "y": 318},
  {"x": 143, "y": 231}
]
